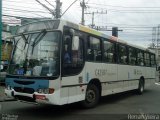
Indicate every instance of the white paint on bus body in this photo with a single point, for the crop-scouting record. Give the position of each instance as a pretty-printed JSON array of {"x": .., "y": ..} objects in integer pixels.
[{"x": 157, "y": 83}]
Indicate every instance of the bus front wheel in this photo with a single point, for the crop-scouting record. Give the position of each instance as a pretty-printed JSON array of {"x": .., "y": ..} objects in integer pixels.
[{"x": 92, "y": 96}]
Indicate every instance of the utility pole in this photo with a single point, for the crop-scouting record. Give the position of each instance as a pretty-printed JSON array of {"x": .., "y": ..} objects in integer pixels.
[
  {"x": 154, "y": 37},
  {"x": 57, "y": 12},
  {"x": 93, "y": 13},
  {"x": 92, "y": 20},
  {"x": 58, "y": 9},
  {"x": 83, "y": 5},
  {"x": 158, "y": 36},
  {"x": 92, "y": 25}
]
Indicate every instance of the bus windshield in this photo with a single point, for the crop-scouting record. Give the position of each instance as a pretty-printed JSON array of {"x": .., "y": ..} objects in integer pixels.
[{"x": 36, "y": 54}]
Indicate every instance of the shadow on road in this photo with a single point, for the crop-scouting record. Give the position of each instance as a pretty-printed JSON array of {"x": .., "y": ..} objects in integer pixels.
[
  {"x": 107, "y": 106},
  {"x": 110, "y": 99},
  {"x": 47, "y": 112}
]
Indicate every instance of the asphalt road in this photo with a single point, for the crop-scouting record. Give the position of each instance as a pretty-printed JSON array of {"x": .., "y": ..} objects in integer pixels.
[{"x": 114, "y": 107}]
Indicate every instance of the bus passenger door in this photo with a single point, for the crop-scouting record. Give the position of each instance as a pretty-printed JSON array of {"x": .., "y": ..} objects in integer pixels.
[{"x": 72, "y": 67}]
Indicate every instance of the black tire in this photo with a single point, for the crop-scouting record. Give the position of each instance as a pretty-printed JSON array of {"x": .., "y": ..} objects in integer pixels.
[
  {"x": 140, "y": 89},
  {"x": 92, "y": 97}
]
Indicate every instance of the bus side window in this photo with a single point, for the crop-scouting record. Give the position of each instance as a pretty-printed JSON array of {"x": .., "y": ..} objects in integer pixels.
[
  {"x": 94, "y": 52},
  {"x": 153, "y": 63},
  {"x": 67, "y": 51},
  {"x": 147, "y": 59},
  {"x": 122, "y": 53},
  {"x": 109, "y": 53},
  {"x": 140, "y": 58},
  {"x": 132, "y": 56},
  {"x": 73, "y": 54}
]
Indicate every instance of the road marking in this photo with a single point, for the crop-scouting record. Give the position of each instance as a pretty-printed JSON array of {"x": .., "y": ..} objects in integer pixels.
[{"x": 157, "y": 83}]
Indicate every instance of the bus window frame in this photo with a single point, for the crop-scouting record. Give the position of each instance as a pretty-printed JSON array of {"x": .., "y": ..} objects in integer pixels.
[
  {"x": 118, "y": 59},
  {"x": 114, "y": 53},
  {"x": 147, "y": 59},
  {"x": 63, "y": 53},
  {"x": 151, "y": 60},
  {"x": 143, "y": 59},
  {"x": 101, "y": 48},
  {"x": 38, "y": 77},
  {"x": 129, "y": 56}
]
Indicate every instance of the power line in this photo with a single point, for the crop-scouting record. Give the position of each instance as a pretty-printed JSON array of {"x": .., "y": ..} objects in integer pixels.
[
  {"x": 87, "y": 1},
  {"x": 93, "y": 13},
  {"x": 27, "y": 17},
  {"x": 14, "y": 6},
  {"x": 24, "y": 10},
  {"x": 17, "y": 16},
  {"x": 121, "y": 6},
  {"x": 137, "y": 25},
  {"x": 128, "y": 25},
  {"x": 50, "y": 3},
  {"x": 30, "y": 13},
  {"x": 134, "y": 27},
  {"x": 68, "y": 8},
  {"x": 136, "y": 30},
  {"x": 11, "y": 1},
  {"x": 126, "y": 11},
  {"x": 51, "y": 11}
]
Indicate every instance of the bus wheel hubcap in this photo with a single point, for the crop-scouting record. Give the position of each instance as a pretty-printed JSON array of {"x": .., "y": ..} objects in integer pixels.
[{"x": 90, "y": 96}]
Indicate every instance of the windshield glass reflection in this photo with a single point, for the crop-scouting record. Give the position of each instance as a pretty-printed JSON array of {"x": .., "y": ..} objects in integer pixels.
[{"x": 36, "y": 54}]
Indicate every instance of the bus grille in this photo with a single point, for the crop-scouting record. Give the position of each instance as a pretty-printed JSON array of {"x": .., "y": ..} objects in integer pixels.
[{"x": 24, "y": 90}]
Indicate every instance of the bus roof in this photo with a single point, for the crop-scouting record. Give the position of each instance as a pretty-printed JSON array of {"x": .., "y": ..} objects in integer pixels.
[
  {"x": 98, "y": 33},
  {"x": 53, "y": 24}
]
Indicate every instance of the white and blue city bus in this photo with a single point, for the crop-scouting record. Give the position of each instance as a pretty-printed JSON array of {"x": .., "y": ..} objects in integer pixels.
[{"x": 58, "y": 62}]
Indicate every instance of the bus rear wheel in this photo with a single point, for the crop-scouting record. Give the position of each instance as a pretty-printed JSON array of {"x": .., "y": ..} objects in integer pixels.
[
  {"x": 140, "y": 89},
  {"x": 92, "y": 97}
]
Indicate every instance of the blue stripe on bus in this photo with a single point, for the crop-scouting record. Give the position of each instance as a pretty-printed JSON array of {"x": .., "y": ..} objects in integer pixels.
[{"x": 37, "y": 83}]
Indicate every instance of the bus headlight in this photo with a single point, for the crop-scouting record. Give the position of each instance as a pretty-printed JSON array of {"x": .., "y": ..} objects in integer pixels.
[
  {"x": 46, "y": 91},
  {"x": 40, "y": 90}
]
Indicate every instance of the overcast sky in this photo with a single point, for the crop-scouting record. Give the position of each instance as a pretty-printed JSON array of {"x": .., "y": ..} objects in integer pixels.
[{"x": 135, "y": 17}]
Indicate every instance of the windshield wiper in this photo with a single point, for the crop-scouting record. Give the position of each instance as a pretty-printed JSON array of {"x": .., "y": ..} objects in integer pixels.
[
  {"x": 25, "y": 39},
  {"x": 38, "y": 39}
]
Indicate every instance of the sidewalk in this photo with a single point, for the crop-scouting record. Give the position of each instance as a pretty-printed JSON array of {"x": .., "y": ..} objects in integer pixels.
[{"x": 3, "y": 97}]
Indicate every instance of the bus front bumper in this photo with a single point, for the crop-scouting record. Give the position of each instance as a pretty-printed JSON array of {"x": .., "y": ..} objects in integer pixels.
[{"x": 35, "y": 97}]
